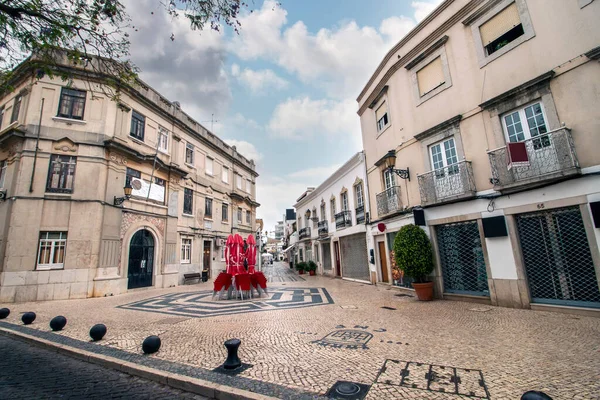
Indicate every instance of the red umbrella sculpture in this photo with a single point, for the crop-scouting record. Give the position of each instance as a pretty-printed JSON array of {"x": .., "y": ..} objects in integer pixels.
[
  {"x": 229, "y": 255},
  {"x": 251, "y": 253}
]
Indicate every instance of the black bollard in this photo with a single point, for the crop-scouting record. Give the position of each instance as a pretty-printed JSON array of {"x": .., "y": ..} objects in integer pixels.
[
  {"x": 4, "y": 312},
  {"x": 57, "y": 323},
  {"x": 151, "y": 344},
  {"x": 97, "y": 332},
  {"x": 28, "y": 318},
  {"x": 233, "y": 361},
  {"x": 535, "y": 395}
]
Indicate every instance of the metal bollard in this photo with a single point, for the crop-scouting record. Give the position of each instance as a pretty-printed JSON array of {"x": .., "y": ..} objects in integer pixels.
[{"x": 233, "y": 361}]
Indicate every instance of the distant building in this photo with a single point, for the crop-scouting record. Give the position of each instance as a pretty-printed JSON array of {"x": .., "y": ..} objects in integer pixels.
[{"x": 279, "y": 231}]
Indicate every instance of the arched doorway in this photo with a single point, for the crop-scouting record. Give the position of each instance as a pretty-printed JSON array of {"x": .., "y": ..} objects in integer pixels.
[{"x": 141, "y": 260}]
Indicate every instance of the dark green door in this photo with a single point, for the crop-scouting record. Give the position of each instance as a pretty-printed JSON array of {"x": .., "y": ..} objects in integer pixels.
[{"x": 141, "y": 260}]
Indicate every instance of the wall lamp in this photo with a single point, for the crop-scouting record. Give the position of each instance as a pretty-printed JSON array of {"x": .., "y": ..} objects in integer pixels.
[
  {"x": 127, "y": 190},
  {"x": 389, "y": 161}
]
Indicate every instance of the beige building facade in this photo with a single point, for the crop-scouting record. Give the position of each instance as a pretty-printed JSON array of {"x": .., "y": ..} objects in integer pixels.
[
  {"x": 490, "y": 108},
  {"x": 67, "y": 230}
]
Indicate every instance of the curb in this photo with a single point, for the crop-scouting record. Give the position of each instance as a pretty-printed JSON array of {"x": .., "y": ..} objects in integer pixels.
[{"x": 185, "y": 383}]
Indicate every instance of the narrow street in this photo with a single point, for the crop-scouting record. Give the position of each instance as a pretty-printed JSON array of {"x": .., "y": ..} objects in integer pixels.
[{"x": 280, "y": 271}]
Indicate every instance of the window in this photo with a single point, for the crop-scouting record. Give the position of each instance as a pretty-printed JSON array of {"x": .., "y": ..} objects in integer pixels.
[
  {"x": 209, "y": 166},
  {"x": 163, "y": 139},
  {"x": 381, "y": 115},
  {"x": 225, "y": 174},
  {"x": 248, "y": 217},
  {"x": 344, "y": 201},
  {"x": 501, "y": 29},
  {"x": 430, "y": 77},
  {"x": 444, "y": 158},
  {"x": 225, "y": 212},
  {"x": 3, "y": 165},
  {"x": 238, "y": 181},
  {"x": 358, "y": 189},
  {"x": 189, "y": 154},
  {"x": 188, "y": 201},
  {"x": 186, "y": 251},
  {"x": 16, "y": 108},
  {"x": 131, "y": 173},
  {"x": 208, "y": 208},
  {"x": 72, "y": 103},
  {"x": 138, "y": 123},
  {"x": 527, "y": 123},
  {"x": 60, "y": 174},
  {"x": 323, "y": 216},
  {"x": 51, "y": 253},
  {"x": 1, "y": 116},
  {"x": 388, "y": 178},
  {"x": 332, "y": 205},
  {"x": 239, "y": 216}
]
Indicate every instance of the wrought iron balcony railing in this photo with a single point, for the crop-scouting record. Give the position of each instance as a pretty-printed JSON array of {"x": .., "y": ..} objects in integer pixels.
[
  {"x": 304, "y": 233},
  {"x": 360, "y": 215},
  {"x": 343, "y": 219},
  {"x": 389, "y": 201},
  {"x": 549, "y": 156},
  {"x": 323, "y": 228},
  {"x": 446, "y": 184}
]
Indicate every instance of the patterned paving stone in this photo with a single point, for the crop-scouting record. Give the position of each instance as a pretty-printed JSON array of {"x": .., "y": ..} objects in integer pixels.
[{"x": 515, "y": 350}]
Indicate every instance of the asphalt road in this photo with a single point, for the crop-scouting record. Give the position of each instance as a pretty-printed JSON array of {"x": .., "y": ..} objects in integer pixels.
[{"x": 30, "y": 372}]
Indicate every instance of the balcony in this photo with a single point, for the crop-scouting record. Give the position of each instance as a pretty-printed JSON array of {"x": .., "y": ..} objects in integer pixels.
[
  {"x": 550, "y": 156},
  {"x": 323, "y": 228},
  {"x": 304, "y": 233},
  {"x": 360, "y": 215},
  {"x": 343, "y": 219},
  {"x": 447, "y": 184},
  {"x": 389, "y": 201}
]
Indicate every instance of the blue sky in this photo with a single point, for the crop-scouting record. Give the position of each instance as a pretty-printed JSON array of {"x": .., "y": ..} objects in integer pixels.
[{"x": 284, "y": 89}]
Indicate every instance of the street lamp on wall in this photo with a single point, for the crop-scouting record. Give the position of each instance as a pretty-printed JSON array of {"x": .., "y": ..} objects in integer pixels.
[
  {"x": 127, "y": 190},
  {"x": 389, "y": 161}
]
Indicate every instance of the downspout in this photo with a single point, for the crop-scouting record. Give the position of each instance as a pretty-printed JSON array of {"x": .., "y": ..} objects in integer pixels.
[{"x": 37, "y": 142}]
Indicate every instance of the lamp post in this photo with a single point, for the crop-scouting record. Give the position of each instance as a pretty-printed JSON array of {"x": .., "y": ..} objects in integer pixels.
[
  {"x": 258, "y": 251},
  {"x": 389, "y": 161},
  {"x": 127, "y": 190}
]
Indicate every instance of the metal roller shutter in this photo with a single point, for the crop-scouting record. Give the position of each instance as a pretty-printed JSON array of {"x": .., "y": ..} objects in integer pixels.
[
  {"x": 355, "y": 257},
  {"x": 326, "y": 246}
]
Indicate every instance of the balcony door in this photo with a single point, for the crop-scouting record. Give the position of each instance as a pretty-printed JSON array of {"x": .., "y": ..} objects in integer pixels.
[{"x": 444, "y": 160}]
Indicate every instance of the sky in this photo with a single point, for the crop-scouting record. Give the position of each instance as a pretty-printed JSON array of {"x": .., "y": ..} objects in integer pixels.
[{"x": 284, "y": 89}]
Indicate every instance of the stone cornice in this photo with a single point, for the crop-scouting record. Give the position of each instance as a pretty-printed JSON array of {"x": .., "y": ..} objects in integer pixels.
[
  {"x": 427, "y": 52},
  {"x": 454, "y": 121}
]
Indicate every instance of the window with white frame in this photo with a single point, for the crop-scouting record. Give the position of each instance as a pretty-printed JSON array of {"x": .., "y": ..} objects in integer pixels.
[
  {"x": 323, "y": 216},
  {"x": 358, "y": 189},
  {"x": 225, "y": 174},
  {"x": 3, "y": 165},
  {"x": 388, "y": 179},
  {"x": 382, "y": 116},
  {"x": 186, "y": 250},
  {"x": 209, "y": 166},
  {"x": 51, "y": 252},
  {"x": 238, "y": 181},
  {"x": 248, "y": 186},
  {"x": 163, "y": 139},
  {"x": 430, "y": 77},
  {"x": 189, "y": 154},
  {"x": 527, "y": 123},
  {"x": 344, "y": 201},
  {"x": 443, "y": 158}
]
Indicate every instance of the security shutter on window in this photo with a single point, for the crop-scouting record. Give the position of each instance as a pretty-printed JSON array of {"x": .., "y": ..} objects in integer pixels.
[
  {"x": 502, "y": 22},
  {"x": 430, "y": 76},
  {"x": 381, "y": 111}
]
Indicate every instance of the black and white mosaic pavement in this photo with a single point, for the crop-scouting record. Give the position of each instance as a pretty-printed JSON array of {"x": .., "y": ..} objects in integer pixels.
[{"x": 202, "y": 305}]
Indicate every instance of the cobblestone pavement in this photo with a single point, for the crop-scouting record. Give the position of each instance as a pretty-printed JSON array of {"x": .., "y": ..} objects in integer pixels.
[
  {"x": 399, "y": 347},
  {"x": 279, "y": 273},
  {"x": 29, "y": 372}
]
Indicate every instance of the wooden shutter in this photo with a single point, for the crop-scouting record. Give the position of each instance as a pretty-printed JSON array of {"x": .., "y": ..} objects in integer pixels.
[
  {"x": 430, "y": 76},
  {"x": 501, "y": 23},
  {"x": 381, "y": 111}
]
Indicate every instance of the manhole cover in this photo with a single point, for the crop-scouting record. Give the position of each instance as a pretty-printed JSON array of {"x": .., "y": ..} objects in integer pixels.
[{"x": 347, "y": 388}]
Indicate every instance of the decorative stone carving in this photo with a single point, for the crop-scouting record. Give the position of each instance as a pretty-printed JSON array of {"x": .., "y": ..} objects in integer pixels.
[
  {"x": 357, "y": 181},
  {"x": 117, "y": 158},
  {"x": 65, "y": 145}
]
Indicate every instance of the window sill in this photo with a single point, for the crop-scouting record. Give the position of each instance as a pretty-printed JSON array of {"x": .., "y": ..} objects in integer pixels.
[
  {"x": 185, "y": 262},
  {"x": 209, "y": 174},
  {"x": 225, "y": 222},
  {"x": 138, "y": 141},
  {"x": 187, "y": 215},
  {"x": 58, "y": 194},
  {"x": 49, "y": 268},
  {"x": 208, "y": 218},
  {"x": 190, "y": 166},
  {"x": 70, "y": 121},
  {"x": 165, "y": 152}
]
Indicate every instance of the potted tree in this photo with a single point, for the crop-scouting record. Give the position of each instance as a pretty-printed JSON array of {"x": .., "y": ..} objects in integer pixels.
[
  {"x": 414, "y": 257},
  {"x": 312, "y": 268},
  {"x": 301, "y": 267}
]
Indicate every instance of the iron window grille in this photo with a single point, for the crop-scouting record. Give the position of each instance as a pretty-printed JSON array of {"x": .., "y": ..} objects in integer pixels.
[
  {"x": 225, "y": 212},
  {"x": 343, "y": 219},
  {"x": 72, "y": 103},
  {"x": 389, "y": 201},
  {"x": 16, "y": 108},
  {"x": 360, "y": 215},
  {"x": 61, "y": 174},
  {"x": 323, "y": 228},
  {"x": 304, "y": 233},
  {"x": 188, "y": 201},
  {"x": 447, "y": 183},
  {"x": 51, "y": 251},
  {"x": 208, "y": 208}
]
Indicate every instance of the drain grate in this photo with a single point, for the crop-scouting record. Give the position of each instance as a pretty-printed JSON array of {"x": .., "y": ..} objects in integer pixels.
[
  {"x": 348, "y": 390},
  {"x": 388, "y": 308}
]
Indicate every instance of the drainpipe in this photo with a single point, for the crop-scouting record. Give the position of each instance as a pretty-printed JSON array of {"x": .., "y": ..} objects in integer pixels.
[{"x": 37, "y": 142}]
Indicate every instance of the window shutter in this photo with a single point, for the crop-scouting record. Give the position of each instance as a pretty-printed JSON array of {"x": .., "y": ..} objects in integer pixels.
[
  {"x": 381, "y": 111},
  {"x": 501, "y": 23},
  {"x": 430, "y": 76}
]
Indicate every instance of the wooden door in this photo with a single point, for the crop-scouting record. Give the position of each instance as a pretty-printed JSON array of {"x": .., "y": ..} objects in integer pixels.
[
  {"x": 337, "y": 259},
  {"x": 206, "y": 255},
  {"x": 383, "y": 261}
]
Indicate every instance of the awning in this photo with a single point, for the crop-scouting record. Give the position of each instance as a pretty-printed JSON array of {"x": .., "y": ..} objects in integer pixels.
[{"x": 289, "y": 247}]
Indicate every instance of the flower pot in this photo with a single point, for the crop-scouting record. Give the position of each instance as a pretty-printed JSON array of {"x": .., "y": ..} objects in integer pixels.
[
  {"x": 301, "y": 272},
  {"x": 312, "y": 273},
  {"x": 424, "y": 290}
]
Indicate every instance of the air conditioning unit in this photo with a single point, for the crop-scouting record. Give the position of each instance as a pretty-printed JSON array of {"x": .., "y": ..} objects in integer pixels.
[{"x": 2, "y": 194}]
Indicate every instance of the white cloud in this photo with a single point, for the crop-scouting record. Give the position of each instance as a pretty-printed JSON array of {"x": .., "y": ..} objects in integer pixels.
[
  {"x": 424, "y": 8},
  {"x": 395, "y": 28},
  {"x": 259, "y": 82},
  {"x": 246, "y": 149},
  {"x": 315, "y": 173}
]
